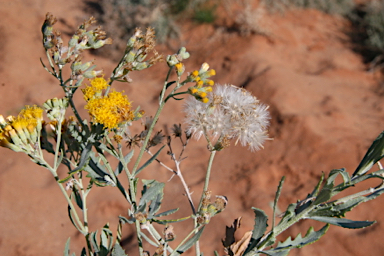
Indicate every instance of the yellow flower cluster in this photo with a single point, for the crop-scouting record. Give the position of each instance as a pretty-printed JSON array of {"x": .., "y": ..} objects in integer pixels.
[
  {"x": 201, "y": 78},
  {"x": 98, "y": 84},
  {"x": 110, "y": 110},
  {"x": 22, "y": 132}
]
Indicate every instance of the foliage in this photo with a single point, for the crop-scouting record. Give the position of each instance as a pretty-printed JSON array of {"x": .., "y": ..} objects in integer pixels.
[{"x": 219, "y": 114}]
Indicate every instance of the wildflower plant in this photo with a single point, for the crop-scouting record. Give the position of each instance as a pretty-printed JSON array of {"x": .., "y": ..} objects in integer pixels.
[{"x": 218, "y": 113}]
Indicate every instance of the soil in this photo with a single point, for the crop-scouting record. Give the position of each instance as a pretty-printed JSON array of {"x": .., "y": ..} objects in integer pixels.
[{"x": 326, "y": 110}]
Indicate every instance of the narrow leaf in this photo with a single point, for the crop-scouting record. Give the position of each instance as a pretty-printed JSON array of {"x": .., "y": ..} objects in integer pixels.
[
  {"x": 310, "y": 237},
  {"x": 166, "y": 213},
  {"x": 78, "y": 199},
  {"x": 277, "y": 196},
  {"x": 373, "y": 155},
  {"x": 149, "y": 161},
  {"x": 93, "y": 241},
  {"x": 190, "y": 242},
  {"x": 71, "y": 218},
  {"x": 344, "y": 223},
  {"x": 83, "y": 158},
  {"x": 66, "y": 249}
]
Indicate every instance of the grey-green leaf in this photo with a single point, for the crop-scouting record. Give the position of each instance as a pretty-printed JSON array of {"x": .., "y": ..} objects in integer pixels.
[
  {"x": 189, "y": 243},
  {"x": 66, "y": 249},
  {"x": 259, "y": 228},
  {"x": 344, "y": 223},
  {"x": 150, "y": 192},
  {"x": 118, "y": 250},
  {"x": 127, "y": 159},
  {"x": 166, "y": 213},
  {"x": 310, "y": 237},
  {"x": 149, "y": 161},
  {"x": 373, "y": 155}
]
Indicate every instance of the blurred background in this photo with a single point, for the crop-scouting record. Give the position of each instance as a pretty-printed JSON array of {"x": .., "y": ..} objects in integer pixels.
[{"x": 318, "y": 64}]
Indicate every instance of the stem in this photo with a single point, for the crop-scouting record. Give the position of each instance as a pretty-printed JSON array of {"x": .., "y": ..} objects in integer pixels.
[
  {"x": 185, "y": 187},
  {"x": 206, "y": 183},
  {"x": 84, "y": 201},
  {"x": 156, "y": 117},
  {"x": 58, "y": 142},
  {"x": 139, "y": 240},
  {"x": 77, "y": 219},
  {"x": 207, "y": 176},
  {"x": 78, "y": 117}
]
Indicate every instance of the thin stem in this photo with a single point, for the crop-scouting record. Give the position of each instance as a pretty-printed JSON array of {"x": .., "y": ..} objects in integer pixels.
[
  {"x": 84, "y": 201},
  {"x": 69, "y": 201},
  {"x": 155, "y": 118},
  {"x": 205, "y": 189},
  {"x": 139, "y": 240},
  {"x": 58, "y": 142},
  {"x": 207, "y": 176},
  {"x": 180, "y": 175},
  {"x": 78, "y": 117}
]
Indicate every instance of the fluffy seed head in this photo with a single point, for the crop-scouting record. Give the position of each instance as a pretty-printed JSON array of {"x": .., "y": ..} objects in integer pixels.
[{"x": 233, "y": 113}]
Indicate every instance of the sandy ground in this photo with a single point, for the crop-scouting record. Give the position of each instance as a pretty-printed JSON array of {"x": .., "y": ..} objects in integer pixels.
[{"x": 325, "y": 113}]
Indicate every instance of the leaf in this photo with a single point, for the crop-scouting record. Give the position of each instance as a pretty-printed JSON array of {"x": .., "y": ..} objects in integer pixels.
[
  {"x": 344, "y": 223},
  {"x": 150, "y": 192},
  {"x": 155, "y": 205},
  {"x": 98, "y": 174},
  {"x": 93, "y": 241},
  {"x": 118, "y": 250},
  {"x": 83, "y": 158},
  {"x": 105, "y": 241},
  {"x": 277, "y": 196},
  {"x": 45, "y": 144},
  {"x": 71, "y": 218},
  {"x": 373, "y": 155},
  {"x": 261, "y": 225},
  {"x": 289, "y": 213},
  {"x": 190, "y": 242},
  {"x": 310, "y": 237},
  {"x": 127, "y": 159},
  {"x": 78, "y": 199},
  {"x": 259, "y": 228},
  {"x": 325, "y": 194},
  {"x": 171, "y": 221},
  {"x": 66, "y": 249},
  {"x": 123, "y": 191},
  {"x": 169, "y": 84},
  {"x": 149, "y": 161},
  {"x": 166, "y": 213}
]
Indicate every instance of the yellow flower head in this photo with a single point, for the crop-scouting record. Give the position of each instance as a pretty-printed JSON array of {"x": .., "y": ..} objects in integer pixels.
[
  {"x": 110, "y": 110},
  {"x": 98, "y": 84},
  {"x": 32, "y": 112}
]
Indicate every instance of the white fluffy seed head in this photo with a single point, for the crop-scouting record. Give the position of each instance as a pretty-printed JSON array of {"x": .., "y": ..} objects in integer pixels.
[{"x": 237, "y": 115}]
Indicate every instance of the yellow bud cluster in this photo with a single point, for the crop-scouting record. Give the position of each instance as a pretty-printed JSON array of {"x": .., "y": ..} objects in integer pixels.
[
  {"x": 21, "y": 133},
  {"x": 200, "y": 93}
]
